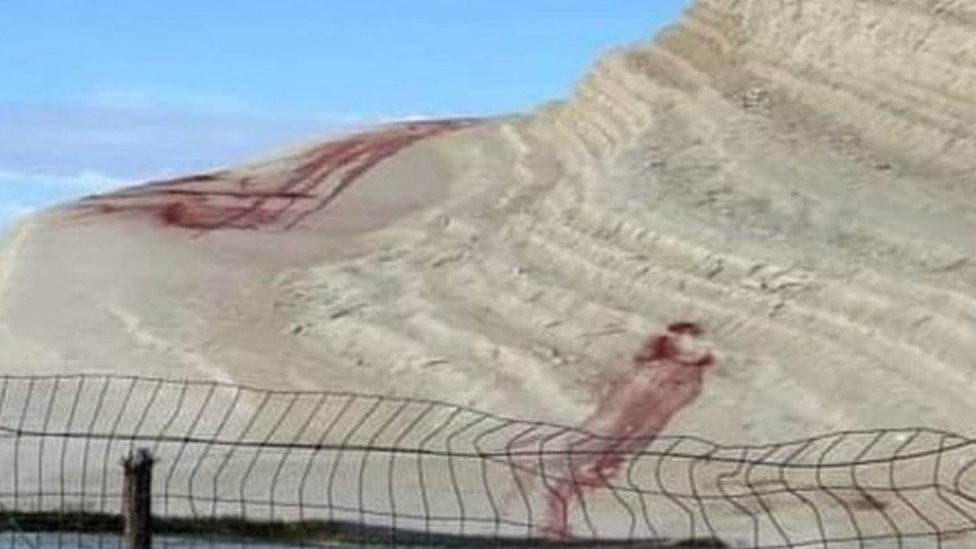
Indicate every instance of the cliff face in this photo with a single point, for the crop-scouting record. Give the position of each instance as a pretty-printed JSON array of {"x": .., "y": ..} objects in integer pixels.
[
  {"x": 900, "y": 74},
  {"x": 795, "y": 176}
]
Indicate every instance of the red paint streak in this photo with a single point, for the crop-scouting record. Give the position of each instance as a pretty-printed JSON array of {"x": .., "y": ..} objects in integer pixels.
[
  {"x": 663, "y": 378},
  {"x": 219, "y": 193},
  {"x": 282, "y": 201}
]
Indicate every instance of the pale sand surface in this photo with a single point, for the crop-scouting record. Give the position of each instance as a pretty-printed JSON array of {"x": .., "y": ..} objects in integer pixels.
[{"x": 797, "y": 177}]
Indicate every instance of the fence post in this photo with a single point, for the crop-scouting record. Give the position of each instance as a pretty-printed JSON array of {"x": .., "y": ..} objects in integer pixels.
[{"x": 137, "y": 499}]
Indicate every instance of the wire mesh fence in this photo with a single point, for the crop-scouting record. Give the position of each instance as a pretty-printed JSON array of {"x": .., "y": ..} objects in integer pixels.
[{"x": 343, "y": 468}]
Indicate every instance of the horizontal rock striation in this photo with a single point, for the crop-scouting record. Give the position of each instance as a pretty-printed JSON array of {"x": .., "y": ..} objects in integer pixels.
[{"x": 799, "y": 177}]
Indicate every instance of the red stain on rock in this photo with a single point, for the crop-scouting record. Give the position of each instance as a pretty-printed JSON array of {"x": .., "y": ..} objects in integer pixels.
[
  {"x": 663, "y": 378},
  {"x": 279, "y": 201}
]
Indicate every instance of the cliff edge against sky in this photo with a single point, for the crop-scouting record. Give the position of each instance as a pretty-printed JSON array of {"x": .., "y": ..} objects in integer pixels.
[{"x": 795, "y": 176}]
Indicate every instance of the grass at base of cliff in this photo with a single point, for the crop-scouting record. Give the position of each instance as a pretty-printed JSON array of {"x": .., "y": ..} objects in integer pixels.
[
  {"x": 308, "y": 532},
  {"x": 223, "y": 528}
]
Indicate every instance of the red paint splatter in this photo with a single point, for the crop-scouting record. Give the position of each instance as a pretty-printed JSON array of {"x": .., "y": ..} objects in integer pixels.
[
  {"x": 662, "y": 379},
  {"x": 222, "y": 200}
]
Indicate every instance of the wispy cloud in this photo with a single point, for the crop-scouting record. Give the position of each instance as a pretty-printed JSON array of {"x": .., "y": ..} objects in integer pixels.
[
  {"x": 131, "y": 96},
  {"x": 22, "y": 193},
  {"x": 83, "y": 181},
  {"x": 12, "y": 212},
  {"x": 138, "y": 142},
  {"x": 54, "y": 153}
]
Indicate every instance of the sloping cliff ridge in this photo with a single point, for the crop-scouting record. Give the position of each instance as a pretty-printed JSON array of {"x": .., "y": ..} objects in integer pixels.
[{"x": 795, "y": 176}]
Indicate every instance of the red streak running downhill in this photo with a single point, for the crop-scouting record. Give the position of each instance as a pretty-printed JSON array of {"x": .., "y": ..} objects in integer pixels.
[
  {"x": 280, "y": 201},
  {"x": 662, "y": 379}
]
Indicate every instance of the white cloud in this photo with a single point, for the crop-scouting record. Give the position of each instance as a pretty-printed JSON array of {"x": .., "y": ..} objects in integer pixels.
[
  {"x": 51, "y": 154},
  {"x": 136, "y": 143},
  {"x": 129, "y": 96},
  {"x": 23, "y": 193},
  {"x": 83, "y": 181},
  {"x": 11, "y": 213},
  {"x": 409, "y": 118},
  {"x": 14, "y": 211}
]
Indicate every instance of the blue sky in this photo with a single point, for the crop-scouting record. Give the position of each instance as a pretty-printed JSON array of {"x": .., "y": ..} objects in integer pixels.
[{"x": 100, "y": 93}]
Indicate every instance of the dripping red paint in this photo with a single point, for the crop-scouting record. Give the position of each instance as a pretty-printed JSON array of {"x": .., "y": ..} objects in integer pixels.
[{"x": 273, "y": 202}]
